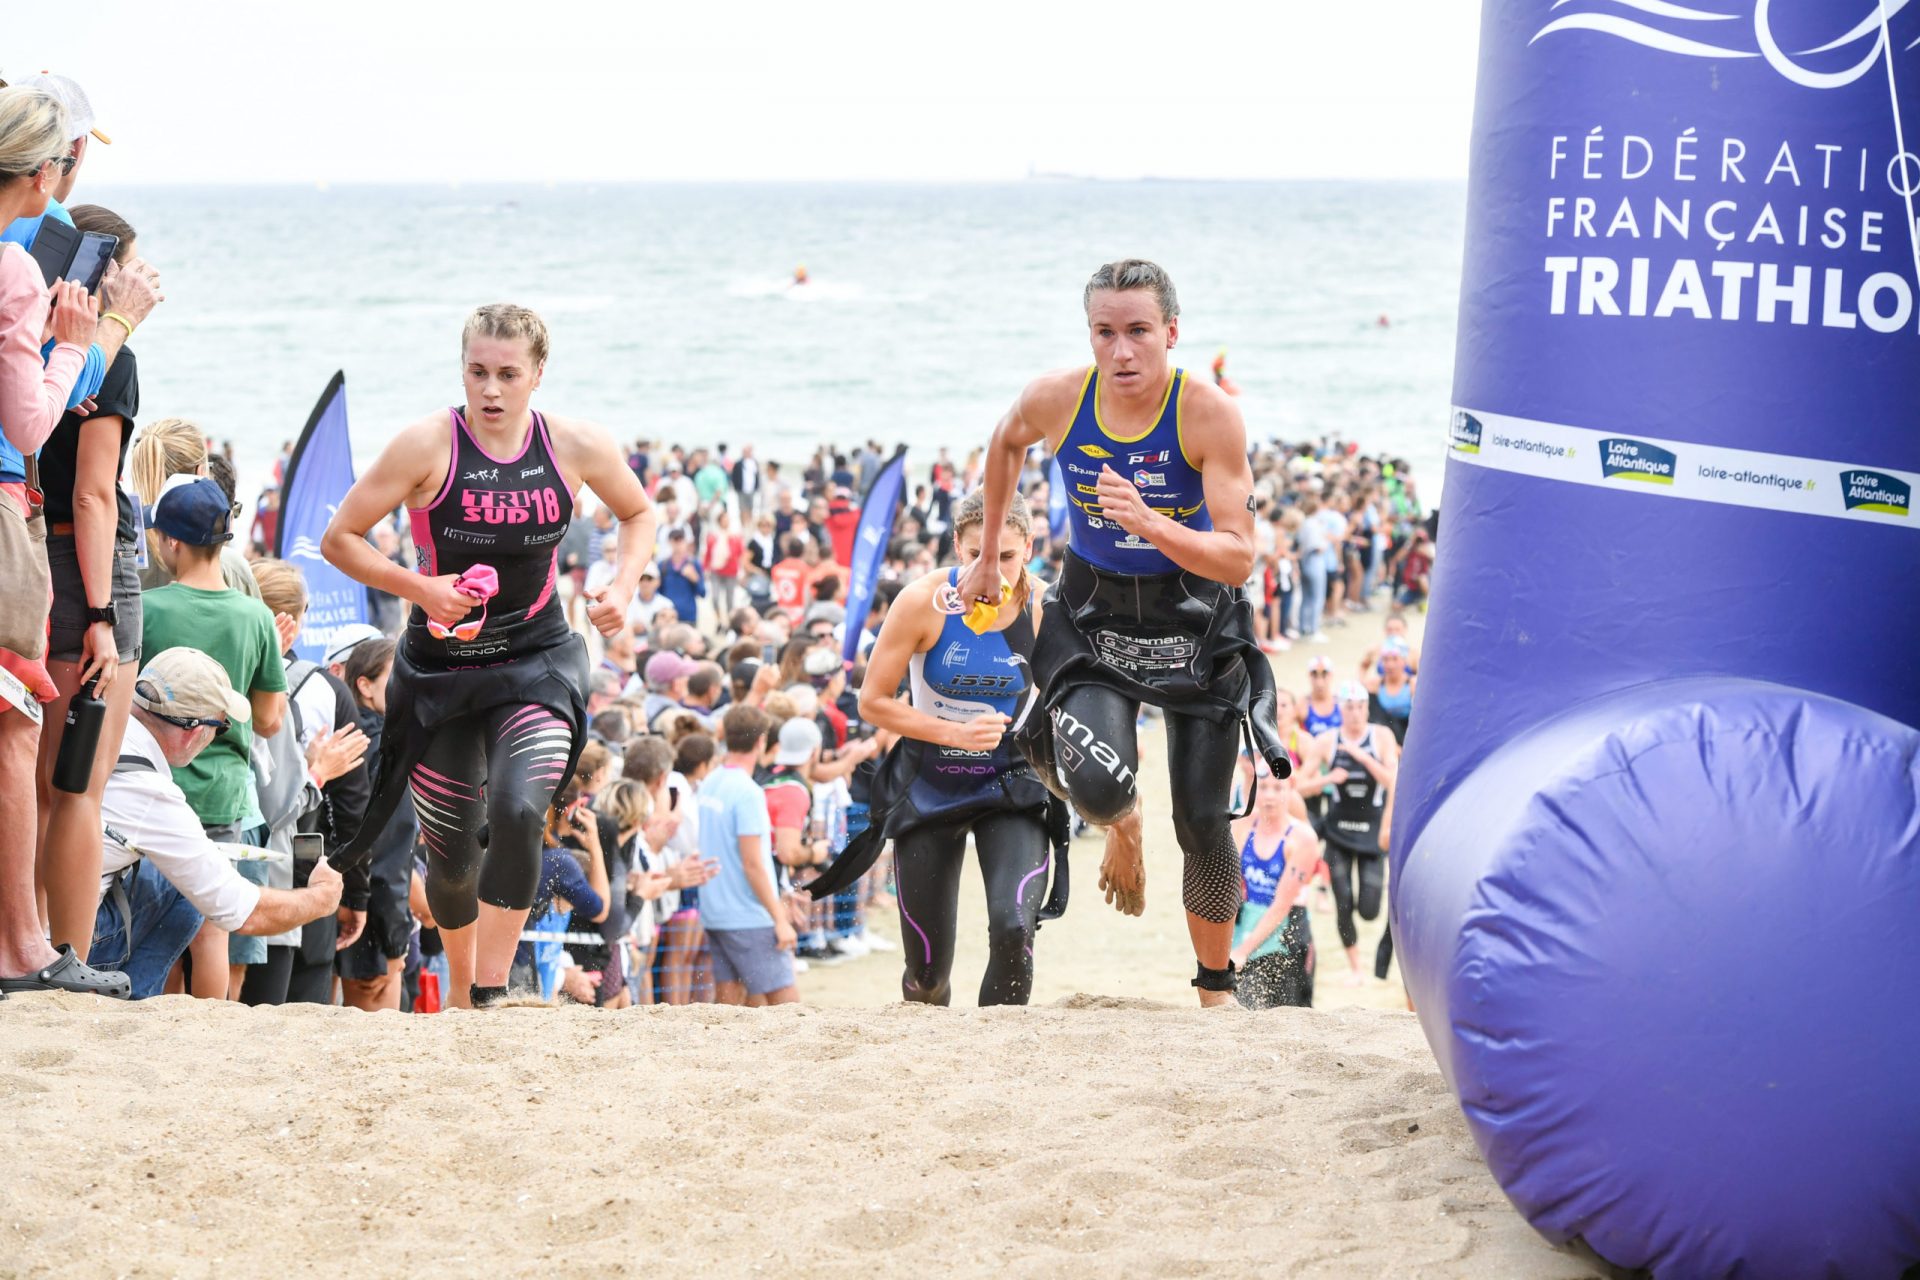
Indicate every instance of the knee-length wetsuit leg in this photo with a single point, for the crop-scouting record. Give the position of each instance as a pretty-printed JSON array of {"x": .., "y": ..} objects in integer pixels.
[
  {"x": 494, "y": 774},
  {"x": 1097, "y": 753},
  {"x": 1014, "y": 852},
  {"x": 926, "y": 870},
  {"x": 1201, "y": 755}
]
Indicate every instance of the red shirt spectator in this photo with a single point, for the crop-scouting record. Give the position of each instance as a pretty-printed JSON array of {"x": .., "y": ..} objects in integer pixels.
[
  {"x": 790, "y": 579},
  {"x": 842, "y": 523}
]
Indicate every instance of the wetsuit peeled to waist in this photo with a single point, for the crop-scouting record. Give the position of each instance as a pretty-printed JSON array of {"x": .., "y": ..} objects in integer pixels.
[
  {"x": 515, "y": 649},
  {"x": 917, "y": 783}
]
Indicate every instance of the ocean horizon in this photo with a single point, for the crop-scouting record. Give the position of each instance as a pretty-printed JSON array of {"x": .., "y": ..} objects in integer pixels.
[{"x": 673, "y": 316}]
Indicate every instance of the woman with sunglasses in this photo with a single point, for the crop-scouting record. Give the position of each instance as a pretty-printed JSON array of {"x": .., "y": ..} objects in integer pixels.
[
  {"x": 487, "y": 698},
  {"x": 34, "y": 393}
]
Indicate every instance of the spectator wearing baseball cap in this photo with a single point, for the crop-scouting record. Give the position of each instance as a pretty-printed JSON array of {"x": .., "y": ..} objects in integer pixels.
[
  {"x": 162, "y": 875},
  {"x": 788, "y": 784},
  {"x": 345, "y": 640},
  {"x": 193, "y": 518},
  {"x": 666, "y": 675},
  {"x": 648, "y": 603}
]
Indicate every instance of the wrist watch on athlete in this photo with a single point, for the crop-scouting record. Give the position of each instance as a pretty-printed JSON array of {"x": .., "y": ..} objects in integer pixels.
[{"x": 109, "y": 615}]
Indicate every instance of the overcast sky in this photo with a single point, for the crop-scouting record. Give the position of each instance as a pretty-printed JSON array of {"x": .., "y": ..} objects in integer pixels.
[{"x": 571, "y": 90}]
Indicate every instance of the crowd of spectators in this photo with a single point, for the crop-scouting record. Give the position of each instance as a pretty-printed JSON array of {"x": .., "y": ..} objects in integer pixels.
[{"x": 724, "y": 762}]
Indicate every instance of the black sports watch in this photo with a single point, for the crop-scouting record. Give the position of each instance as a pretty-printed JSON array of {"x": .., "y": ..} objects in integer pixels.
[{"x": 109, "y": 615}]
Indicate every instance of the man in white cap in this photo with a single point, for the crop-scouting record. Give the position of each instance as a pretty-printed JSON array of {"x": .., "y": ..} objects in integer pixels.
[
  {"x": 345, "y": 640},
  {"x": 161, "y": 874}
]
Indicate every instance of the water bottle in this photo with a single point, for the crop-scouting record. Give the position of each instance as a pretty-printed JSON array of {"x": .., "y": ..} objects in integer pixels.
[{"x": 73, "y": 769}]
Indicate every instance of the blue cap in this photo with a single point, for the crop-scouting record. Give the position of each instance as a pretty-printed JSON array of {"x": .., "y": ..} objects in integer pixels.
[{"x": 195, "y": 510}]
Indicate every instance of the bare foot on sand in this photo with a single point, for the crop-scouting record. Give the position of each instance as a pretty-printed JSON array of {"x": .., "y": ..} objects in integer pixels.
[
  {"x": 1218, "y": 999},
  {"x": 1123, "y": 871}
]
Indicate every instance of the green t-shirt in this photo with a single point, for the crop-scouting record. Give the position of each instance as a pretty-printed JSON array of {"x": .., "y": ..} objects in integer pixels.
[
  {"x": 710, "y": 482},
  {"x": 236, "y": 632}
]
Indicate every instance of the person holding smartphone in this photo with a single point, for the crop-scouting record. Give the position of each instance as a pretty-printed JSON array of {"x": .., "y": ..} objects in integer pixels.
[
  {"x": 94, "y": 633},
  {"x": 486, "y": 703}
]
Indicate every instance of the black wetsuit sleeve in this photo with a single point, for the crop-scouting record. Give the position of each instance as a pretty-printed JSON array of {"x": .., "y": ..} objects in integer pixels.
[{"x": 346, "y": 800}]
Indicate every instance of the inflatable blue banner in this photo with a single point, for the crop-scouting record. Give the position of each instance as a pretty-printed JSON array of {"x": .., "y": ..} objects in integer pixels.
[
  {"x": 318, "y": 477},
  {"x": 878, "y": 507},
  {"x": 1664, "y": 752}
]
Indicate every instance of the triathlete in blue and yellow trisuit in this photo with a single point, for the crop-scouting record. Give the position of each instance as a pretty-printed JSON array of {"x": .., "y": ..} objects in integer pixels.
[
  {"x": 955, "y": 771},
  {"x": 1149, "y": 606}
]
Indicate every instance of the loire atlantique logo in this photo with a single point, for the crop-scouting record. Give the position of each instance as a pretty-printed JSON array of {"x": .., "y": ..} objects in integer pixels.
[
  {"x": 1624, "y": 459},
  {"x": 1464, "y": 435},
  {"x": 1876, "y": 491},
  {"x": 1852, "y": 38}
]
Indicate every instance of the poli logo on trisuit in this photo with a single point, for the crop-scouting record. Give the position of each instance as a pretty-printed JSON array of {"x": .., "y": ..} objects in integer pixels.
[
  {"x": 1464, "y": 435},
  {"x": 1155, "y": 458},
  {"x": 1876, "y": 491},
  {"x": 1624, "y": 459}
]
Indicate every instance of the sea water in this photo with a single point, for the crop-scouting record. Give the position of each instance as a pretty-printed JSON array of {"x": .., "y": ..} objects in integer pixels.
[{"x": 674, "y": 316}]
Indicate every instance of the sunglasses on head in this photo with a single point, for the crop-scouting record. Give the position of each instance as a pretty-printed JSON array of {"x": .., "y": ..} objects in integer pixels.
[{"x": 222, "y": 724}]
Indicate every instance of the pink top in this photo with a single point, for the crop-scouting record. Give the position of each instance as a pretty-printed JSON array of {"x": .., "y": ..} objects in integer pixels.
[{"x": 33, "y": 395}]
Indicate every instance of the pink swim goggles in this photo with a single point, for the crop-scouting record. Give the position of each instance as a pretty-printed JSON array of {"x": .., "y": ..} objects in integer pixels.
[{"x": 481, "y": 583}]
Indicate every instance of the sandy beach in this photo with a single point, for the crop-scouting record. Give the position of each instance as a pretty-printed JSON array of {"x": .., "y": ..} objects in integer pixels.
[
  {"x": 1110, "y": 1126},
  {"x": 177, "y": 1137}
]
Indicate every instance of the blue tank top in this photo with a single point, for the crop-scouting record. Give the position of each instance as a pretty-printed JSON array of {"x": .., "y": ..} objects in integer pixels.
[
  {"x": 1318, "y": 724},
  {"x": 1156, "y": 463},
  {"x": 1263, "y": 874},
  {"x": 962, "y": 676},
  {"x": 1398, "y": 705}
]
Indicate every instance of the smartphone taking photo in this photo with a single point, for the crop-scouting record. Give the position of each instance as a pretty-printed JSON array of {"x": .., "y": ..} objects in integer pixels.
[{"x": 67, "y": 253}]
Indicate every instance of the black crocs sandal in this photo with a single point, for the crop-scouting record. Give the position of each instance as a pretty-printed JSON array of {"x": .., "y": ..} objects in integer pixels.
[{"x": 71, "y": 973}]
